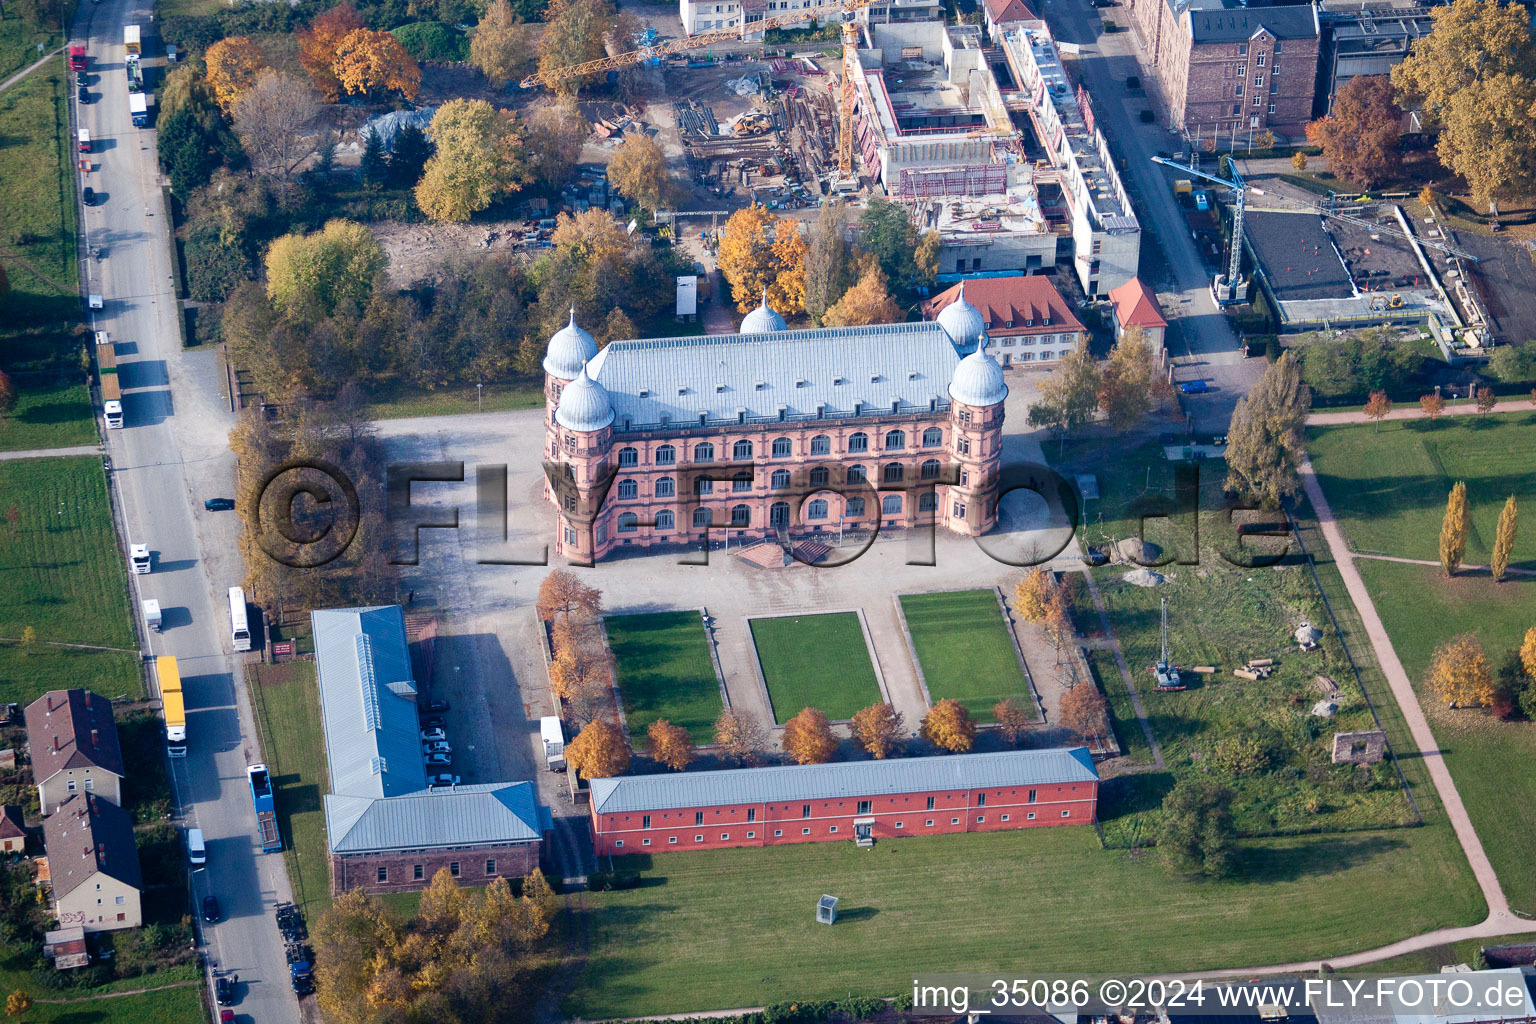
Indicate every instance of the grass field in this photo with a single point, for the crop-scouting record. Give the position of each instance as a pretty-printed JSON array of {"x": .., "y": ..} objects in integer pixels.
[
  {"x": 815, "y": 661},
  {"x": 963, "y": 646},
  {"x": 287, "y": 706},
  {"x": 1122, "y": 713},
  {"x": 736, "y": 927},
  {"x": 1429, "y": 961},
  {"x": 1421, "y": 609},
  {"x": 18, "y": 43},
  {"x": 182, "y": 1005},
  {"x": 456, "y": 401},
  {"x": 665, "y": 671},
  {"x": 1388, "y": 488},
  {"x": 50, "y": 413}
]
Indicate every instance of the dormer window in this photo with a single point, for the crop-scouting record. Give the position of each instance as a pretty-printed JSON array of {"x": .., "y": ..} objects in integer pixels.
[
  {"x": 911, "y": 375},
  {"x": 682, "y": 390},
  {"x": 1029, "y": 323},
  {"x": 874, "y": 378},
  {"x": 719, "y": 389},
  {"x": 837, "y": 382},
  {"x": 1046, "y": 321},
  {"x": 758, "y": 385},
  {"x": 644, "y": 393},
  {"x": 1007, "y": 323},
  {"x": 799, "y": 382}
]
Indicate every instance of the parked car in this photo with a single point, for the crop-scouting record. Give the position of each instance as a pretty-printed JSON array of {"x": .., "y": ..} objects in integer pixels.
[
  {"x": 210, "y": 909},
  {"x": 436, "y": 747},
  {"x": 1194, "y": 387},
  {"x": 219, "y": 504},
  {"x": 437, "y": 705},
  {"x": 435, "y": 722},
  {"x": 439, "y": 760},
  {"x": 85, "y": 94},
  {"x": 442, "y": 780},
  {"x": 433, "y": 734},
  {"x": 224, "y": 989},
  {"x": 225, "y": 1016},
  {"x": 88, "y": 196}
]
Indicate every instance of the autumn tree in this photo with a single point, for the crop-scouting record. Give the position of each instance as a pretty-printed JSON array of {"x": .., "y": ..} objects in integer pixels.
[
  {"x": 17, "y": 1003},
  {"x": 670, "y": 745},
  {"x": 309, "y": 275},
  {"x": 1196, "y": 834},
  {"x": 1377, "y": 407},
  {"x": 1454, "y": 527},
  {"x": 351, "y": 939},
  {"x": 1432, "y": 405},
  {"x": 7, "y": 393},
  {"x": 1265, "y": 443},
  {"x": 443, "y": 903},
  {"x": 1127, "y": 383},
  {"x": 1299, "y": 160},
  {"x": 1528, "y": 652},
  {"x": 948, "y": 725},
  {"x": 1013, "y": 718},
  {"x": 808, "y": 738},
  {"x": 639, "y": 171},
  {"x": 1459, "y": 673},
  {"x": 1486, "y": 399},
  {"x": 741, "y": 736},
  {"x": 760, "y": 252},
  {"x": 599, "y": 751},
  {"x": 270, "y": 118},
  {"x": 562, "y": 594},
  {"x": 877, "y": 730},
  {"x": 1504, "y": 539},
  {"x": 867, "y": 302},
  {"x": 28, "y": 639},
  {"x": 1360, "y": 137},
  {"x": 1069, "y": 396},
  {"x": 1083, "y": 711},
  {"x": 369, "y": 61},
  {"x": 1056, "y": 624},
  {"x": 233, "y": 66},
  {"x": 573, "y": 34},
  {"x": 319, "y": 43},
  {"x": 828, "y": 259},
  {"x": 553, "y": 147},
  {"x": 479, "y": 160},
  {"x": 1035, "y": 594},
  {"x": 499, "y": 46}
]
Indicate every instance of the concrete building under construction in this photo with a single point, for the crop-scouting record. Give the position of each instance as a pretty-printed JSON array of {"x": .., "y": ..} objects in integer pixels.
[{"x": 991, "y": 147}]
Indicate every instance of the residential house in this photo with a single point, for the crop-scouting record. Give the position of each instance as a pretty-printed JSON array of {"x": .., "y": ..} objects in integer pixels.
[
  {"x": 1133, "y": 304},
  {"x": 73, "y": 740},
  {"x": 93, "y": 864},
  {"x": 1003, "y": 15},
  {"x": 13, "y": 830}
]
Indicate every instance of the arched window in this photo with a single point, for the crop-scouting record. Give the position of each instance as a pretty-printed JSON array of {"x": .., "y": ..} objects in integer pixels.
[
  {"x": 856, "y": 475},
  {"x": 741, "y": 515},
  {"x": 895, "y": 440},
  {"x": 890, "y": 505},
  {"x": 781, "y": 448},
  {"x": 932, "y": 437},
  {"x": 930, "y": 469},
  {"x": 703, "y": 516},
  {"x": 704, "y": 452},
  {"x": 666, "y": 487},
  {"x": 927, "y": 502},
  {"x": 816, "y": 509},
  {"x": 858, "y": 442},
  {"x": 892, "y": 473},
  {"x": 629, "y": 457},
  {"x": 778, "y": 515},
  {"x": 821, "y": 444},
  {"x": 628, "y": 522},
  {"x": 741, "y": 451},
  {"x": 819, "y": 476},
  {"x": 780, "y": 479},
  {"x": 702, "y": 486},
  {"x": 628, "y": 489},
  {"x": 665, "y": 519},
  {"x": 855, "y": 507},
  {"x": 666, "y": 455},
  {"x": 741, "y": 482}
]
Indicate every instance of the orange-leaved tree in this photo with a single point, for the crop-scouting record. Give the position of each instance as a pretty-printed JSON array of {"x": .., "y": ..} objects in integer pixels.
[
  {"x": 1082, "y": 711},
  {"x": 1033, "y": 597},
  {"x": 368, "y": 60},
  {"x": 761, "y": 252},
  {"x": 741, "y": 736},
  {"x": 1013, "y": 717},
  {"x": 670, "y": 745},
  {"x": 808, "y": 737},
  {"x": 1459, "y": 673},
  {"x": 318, "y": 45},
  {"x": 1528, "y": 652},
  {"x": 1377, "y": 407},
  {"x": 948, "y": 725},
  {"x": 562, "y": 593},
  {"x": 877, "y": 730},
  {"x": 1432, "y": 405},
  {"x": 599, "y": 751},
  {"x": 233, "y": 65}
]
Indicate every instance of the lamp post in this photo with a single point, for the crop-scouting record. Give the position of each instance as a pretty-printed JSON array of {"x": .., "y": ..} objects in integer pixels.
[{"x": 478, "y": 388}]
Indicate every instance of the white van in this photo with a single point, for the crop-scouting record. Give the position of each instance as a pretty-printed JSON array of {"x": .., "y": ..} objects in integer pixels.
[{"x": 197, "y": 853}]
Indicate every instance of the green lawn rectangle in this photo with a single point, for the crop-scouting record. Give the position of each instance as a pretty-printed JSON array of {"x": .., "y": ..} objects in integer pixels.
[
  {"x": 665, "y": 671},
  {"x": 50, "y": 412},
  {"x": 1489, "y": 760},
  {"x": 965, "y": 650},
  {"x": 728, "y": 928},
  {"x": 815, "y": 661},
  {"x": 1388, "y": 487},
  {"x": 287, "y": 706}
]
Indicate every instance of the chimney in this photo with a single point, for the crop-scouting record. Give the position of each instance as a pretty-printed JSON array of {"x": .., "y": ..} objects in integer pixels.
[
  {"x": 95, "y": 739},
  {"x": 55, "y": 743},
  {"x": 87, "y": 700}
]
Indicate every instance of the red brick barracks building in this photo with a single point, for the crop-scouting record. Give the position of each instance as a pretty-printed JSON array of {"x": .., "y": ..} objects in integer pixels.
[{"x": 858, "y": 800}]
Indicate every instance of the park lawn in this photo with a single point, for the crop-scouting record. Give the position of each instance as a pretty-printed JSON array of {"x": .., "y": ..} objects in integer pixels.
[
  {"x": 963, "y": 646},
  {"x": 733, "y": 928},
  {"x": 407, "y": 402},
  {"x": 61, "y": 571},
  {"x": 50, "y": 413},
  {"x": 815, "y": 661},
  {"x": 1388, "y": 487},
  {"x": 27, "y": 675},
  {"x": 287, "y": 704},
  {"x": 665, "y": 671},
  {"x": 1421, "y": 609}
]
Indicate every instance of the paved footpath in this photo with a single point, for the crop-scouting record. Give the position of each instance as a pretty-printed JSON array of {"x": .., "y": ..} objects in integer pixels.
[
  {"x": 1413, "y": 412},
  {"x": 24, "y": 72},
  {"x": 52, "y": 453}
]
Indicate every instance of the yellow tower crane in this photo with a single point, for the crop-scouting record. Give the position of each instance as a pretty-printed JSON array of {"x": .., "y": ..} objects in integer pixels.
[{"x": 847, "y": 94}]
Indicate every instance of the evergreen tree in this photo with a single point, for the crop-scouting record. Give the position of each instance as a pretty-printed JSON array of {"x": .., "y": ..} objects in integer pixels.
[
  {"x": 409, "y": 157},
  {"x": 1265, "y": 444},
  {"x": 375, "y": 164}
]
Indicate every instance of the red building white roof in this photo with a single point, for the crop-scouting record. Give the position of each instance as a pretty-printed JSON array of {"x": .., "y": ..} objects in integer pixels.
[
  {"x": 1011, "y": 306},
  {"x": 1136, "y": 305}
]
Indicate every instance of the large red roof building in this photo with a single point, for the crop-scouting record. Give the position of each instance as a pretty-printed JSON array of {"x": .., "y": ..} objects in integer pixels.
[{"x": 1025, "y": 316}]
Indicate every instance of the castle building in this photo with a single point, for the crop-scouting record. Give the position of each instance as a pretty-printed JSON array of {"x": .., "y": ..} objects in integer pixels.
[{"x": 772, "y": 433}]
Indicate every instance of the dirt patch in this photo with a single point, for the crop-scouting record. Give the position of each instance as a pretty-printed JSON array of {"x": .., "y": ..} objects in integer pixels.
[{"x": 417, "y": 252}]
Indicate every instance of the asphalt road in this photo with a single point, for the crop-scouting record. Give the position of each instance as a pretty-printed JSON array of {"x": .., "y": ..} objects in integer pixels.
[{"x": 171, "y": 454}]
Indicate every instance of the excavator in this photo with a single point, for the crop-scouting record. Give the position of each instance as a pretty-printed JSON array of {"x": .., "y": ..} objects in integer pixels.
[{"x": 847, "y": 93}]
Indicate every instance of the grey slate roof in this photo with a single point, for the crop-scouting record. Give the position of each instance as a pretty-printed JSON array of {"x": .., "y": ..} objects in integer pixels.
[
  {"x": 368, "y": 701},
  {"x": 722, "y": 376},
  {"x": 1217, "y": 21},
  {"x": 495, "y": 813},
  {"x": 87, "y": 834},
  {"x": 847, "y": 779}
]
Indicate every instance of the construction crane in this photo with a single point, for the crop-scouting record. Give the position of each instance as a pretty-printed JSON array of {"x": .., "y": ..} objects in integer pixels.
[
  {"x": 846, "y": 8},
  {"x": 1165, "y": 671}
]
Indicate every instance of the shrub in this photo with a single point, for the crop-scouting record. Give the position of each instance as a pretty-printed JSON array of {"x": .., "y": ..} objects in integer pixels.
[
  {"x": 214, "y": 266},
  {"x": 432, "y": 40}
]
